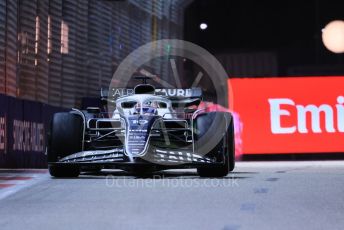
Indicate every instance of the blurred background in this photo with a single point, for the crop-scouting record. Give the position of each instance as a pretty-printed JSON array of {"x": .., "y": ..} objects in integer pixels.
[{"x": 56, "y": 52}]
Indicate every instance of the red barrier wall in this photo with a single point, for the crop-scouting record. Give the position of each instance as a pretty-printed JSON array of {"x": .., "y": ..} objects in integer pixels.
[{"x": 290, "y": 115}]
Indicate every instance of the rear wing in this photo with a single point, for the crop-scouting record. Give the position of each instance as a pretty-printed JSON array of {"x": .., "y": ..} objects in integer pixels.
[
  {"x": 172, "y": 94},
  {"x": 179, "y": 97}
]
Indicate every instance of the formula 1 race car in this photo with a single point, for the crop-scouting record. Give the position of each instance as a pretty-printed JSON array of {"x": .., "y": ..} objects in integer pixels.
[{"x": 147, "y": 130}]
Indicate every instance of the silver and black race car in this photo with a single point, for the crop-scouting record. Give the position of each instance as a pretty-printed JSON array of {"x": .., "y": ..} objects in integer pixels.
[{"x": 146, "y": 130}]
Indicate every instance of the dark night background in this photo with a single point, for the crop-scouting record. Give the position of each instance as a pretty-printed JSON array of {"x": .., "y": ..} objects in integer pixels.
[{"x": 290, "y": 29}]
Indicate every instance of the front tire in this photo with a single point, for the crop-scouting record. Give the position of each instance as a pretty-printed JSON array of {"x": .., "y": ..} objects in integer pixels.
[
  {"x": 63, "y": 171},
  {"x": 224, "y": 150},
  {"x": 65, "y": 138}
]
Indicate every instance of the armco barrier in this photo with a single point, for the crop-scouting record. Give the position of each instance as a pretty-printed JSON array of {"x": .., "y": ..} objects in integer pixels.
[{"x": 23, "y": 126}]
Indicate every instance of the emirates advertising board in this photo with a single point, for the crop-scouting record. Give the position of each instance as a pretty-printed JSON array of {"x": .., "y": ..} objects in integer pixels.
[{"x": 290, "y": 115}]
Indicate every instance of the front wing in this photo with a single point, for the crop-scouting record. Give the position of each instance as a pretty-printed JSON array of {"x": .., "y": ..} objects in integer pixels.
[{"x": 116, "y": 158}]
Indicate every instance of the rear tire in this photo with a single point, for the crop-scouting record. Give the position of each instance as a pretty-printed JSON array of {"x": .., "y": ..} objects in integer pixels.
[
  {"x": 226, "y": 147},
  {"x": 65, "y": 138}
]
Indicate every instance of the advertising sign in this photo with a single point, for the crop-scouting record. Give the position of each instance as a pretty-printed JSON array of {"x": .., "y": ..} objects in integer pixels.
[{"x": 290, "y": 115}]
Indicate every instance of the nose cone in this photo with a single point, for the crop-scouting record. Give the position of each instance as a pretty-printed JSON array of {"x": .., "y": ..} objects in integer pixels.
[{"x": 137, "y": 134}]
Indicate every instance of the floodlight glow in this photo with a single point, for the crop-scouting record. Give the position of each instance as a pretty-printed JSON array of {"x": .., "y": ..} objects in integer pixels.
[
  {"x": 333, "y": 36},
  {"x": 203, "y": 26}
]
